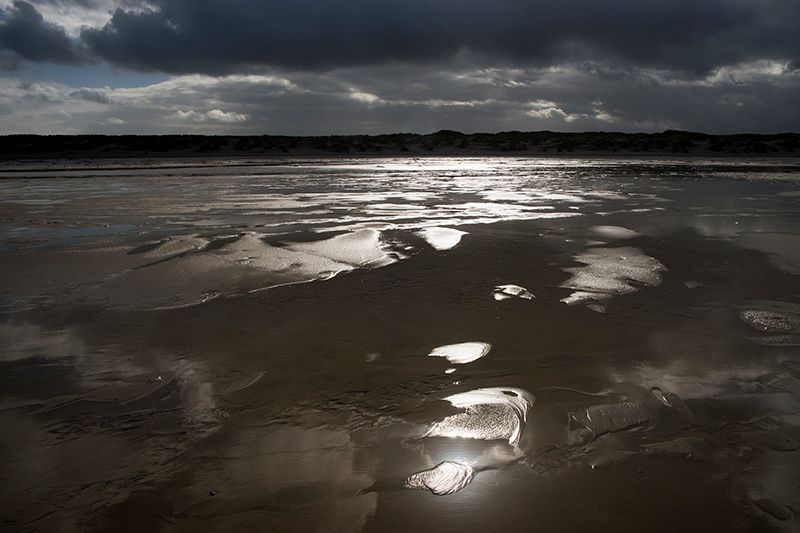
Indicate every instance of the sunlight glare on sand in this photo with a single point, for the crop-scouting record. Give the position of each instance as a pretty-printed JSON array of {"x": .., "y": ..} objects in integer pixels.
[
  {"x": 489, "y": 414},
  {"x": 462, "y": 353}
]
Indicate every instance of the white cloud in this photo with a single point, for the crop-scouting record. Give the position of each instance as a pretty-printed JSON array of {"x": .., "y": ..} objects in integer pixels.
[
  {"x": 223, "y": 116},
  {"x": 545, "y": 109},
  {"x": 367, "y": 98},
  {"x": 217, "y": 115},
  {"x": 437, "y": 102}
]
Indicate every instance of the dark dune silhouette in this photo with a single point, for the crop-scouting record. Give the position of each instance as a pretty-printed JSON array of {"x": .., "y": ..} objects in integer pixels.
[{"x": 444, "y": 142}]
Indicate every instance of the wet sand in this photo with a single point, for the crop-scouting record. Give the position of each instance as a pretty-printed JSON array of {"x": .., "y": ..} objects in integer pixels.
[{"x": 387, "y": 345}]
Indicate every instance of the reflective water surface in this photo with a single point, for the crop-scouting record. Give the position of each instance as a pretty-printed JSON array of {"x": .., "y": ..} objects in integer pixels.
[{"x": 390, "y": 345}]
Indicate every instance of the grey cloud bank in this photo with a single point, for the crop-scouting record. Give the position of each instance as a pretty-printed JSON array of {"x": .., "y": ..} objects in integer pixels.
[{"x": 370, "y": 100}]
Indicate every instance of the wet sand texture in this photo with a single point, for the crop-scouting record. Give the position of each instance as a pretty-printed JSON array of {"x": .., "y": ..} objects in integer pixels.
[{"x": 380, "y": 345}]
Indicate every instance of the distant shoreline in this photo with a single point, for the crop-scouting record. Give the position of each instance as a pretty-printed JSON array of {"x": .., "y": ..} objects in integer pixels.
[{"x": 445, "y": 143}]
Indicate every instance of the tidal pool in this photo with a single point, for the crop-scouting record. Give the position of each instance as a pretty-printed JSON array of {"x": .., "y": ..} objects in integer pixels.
[{"x": 298, "y": 345}]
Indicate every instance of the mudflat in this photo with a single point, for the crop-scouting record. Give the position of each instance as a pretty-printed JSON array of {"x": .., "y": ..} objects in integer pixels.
[{"x": 379, "y": 344}]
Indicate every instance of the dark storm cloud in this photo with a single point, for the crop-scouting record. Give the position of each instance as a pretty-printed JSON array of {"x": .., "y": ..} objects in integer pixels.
[
  {"x": 209, "y": 36},
  {"x": 24, "y": 32}
]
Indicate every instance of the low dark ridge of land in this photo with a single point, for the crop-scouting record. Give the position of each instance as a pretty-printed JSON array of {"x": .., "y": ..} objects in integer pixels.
[{"x": 444, "y": 142}]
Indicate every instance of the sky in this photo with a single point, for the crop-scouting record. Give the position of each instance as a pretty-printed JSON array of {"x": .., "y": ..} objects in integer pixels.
[{"x": 323, "y": 67}]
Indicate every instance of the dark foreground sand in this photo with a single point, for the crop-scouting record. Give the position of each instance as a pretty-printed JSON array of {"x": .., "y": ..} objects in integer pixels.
[{"x": 245, "y": 348}]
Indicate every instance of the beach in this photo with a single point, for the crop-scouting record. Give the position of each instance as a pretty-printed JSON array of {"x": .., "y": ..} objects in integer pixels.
[{"x": 388, "y": 344}]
